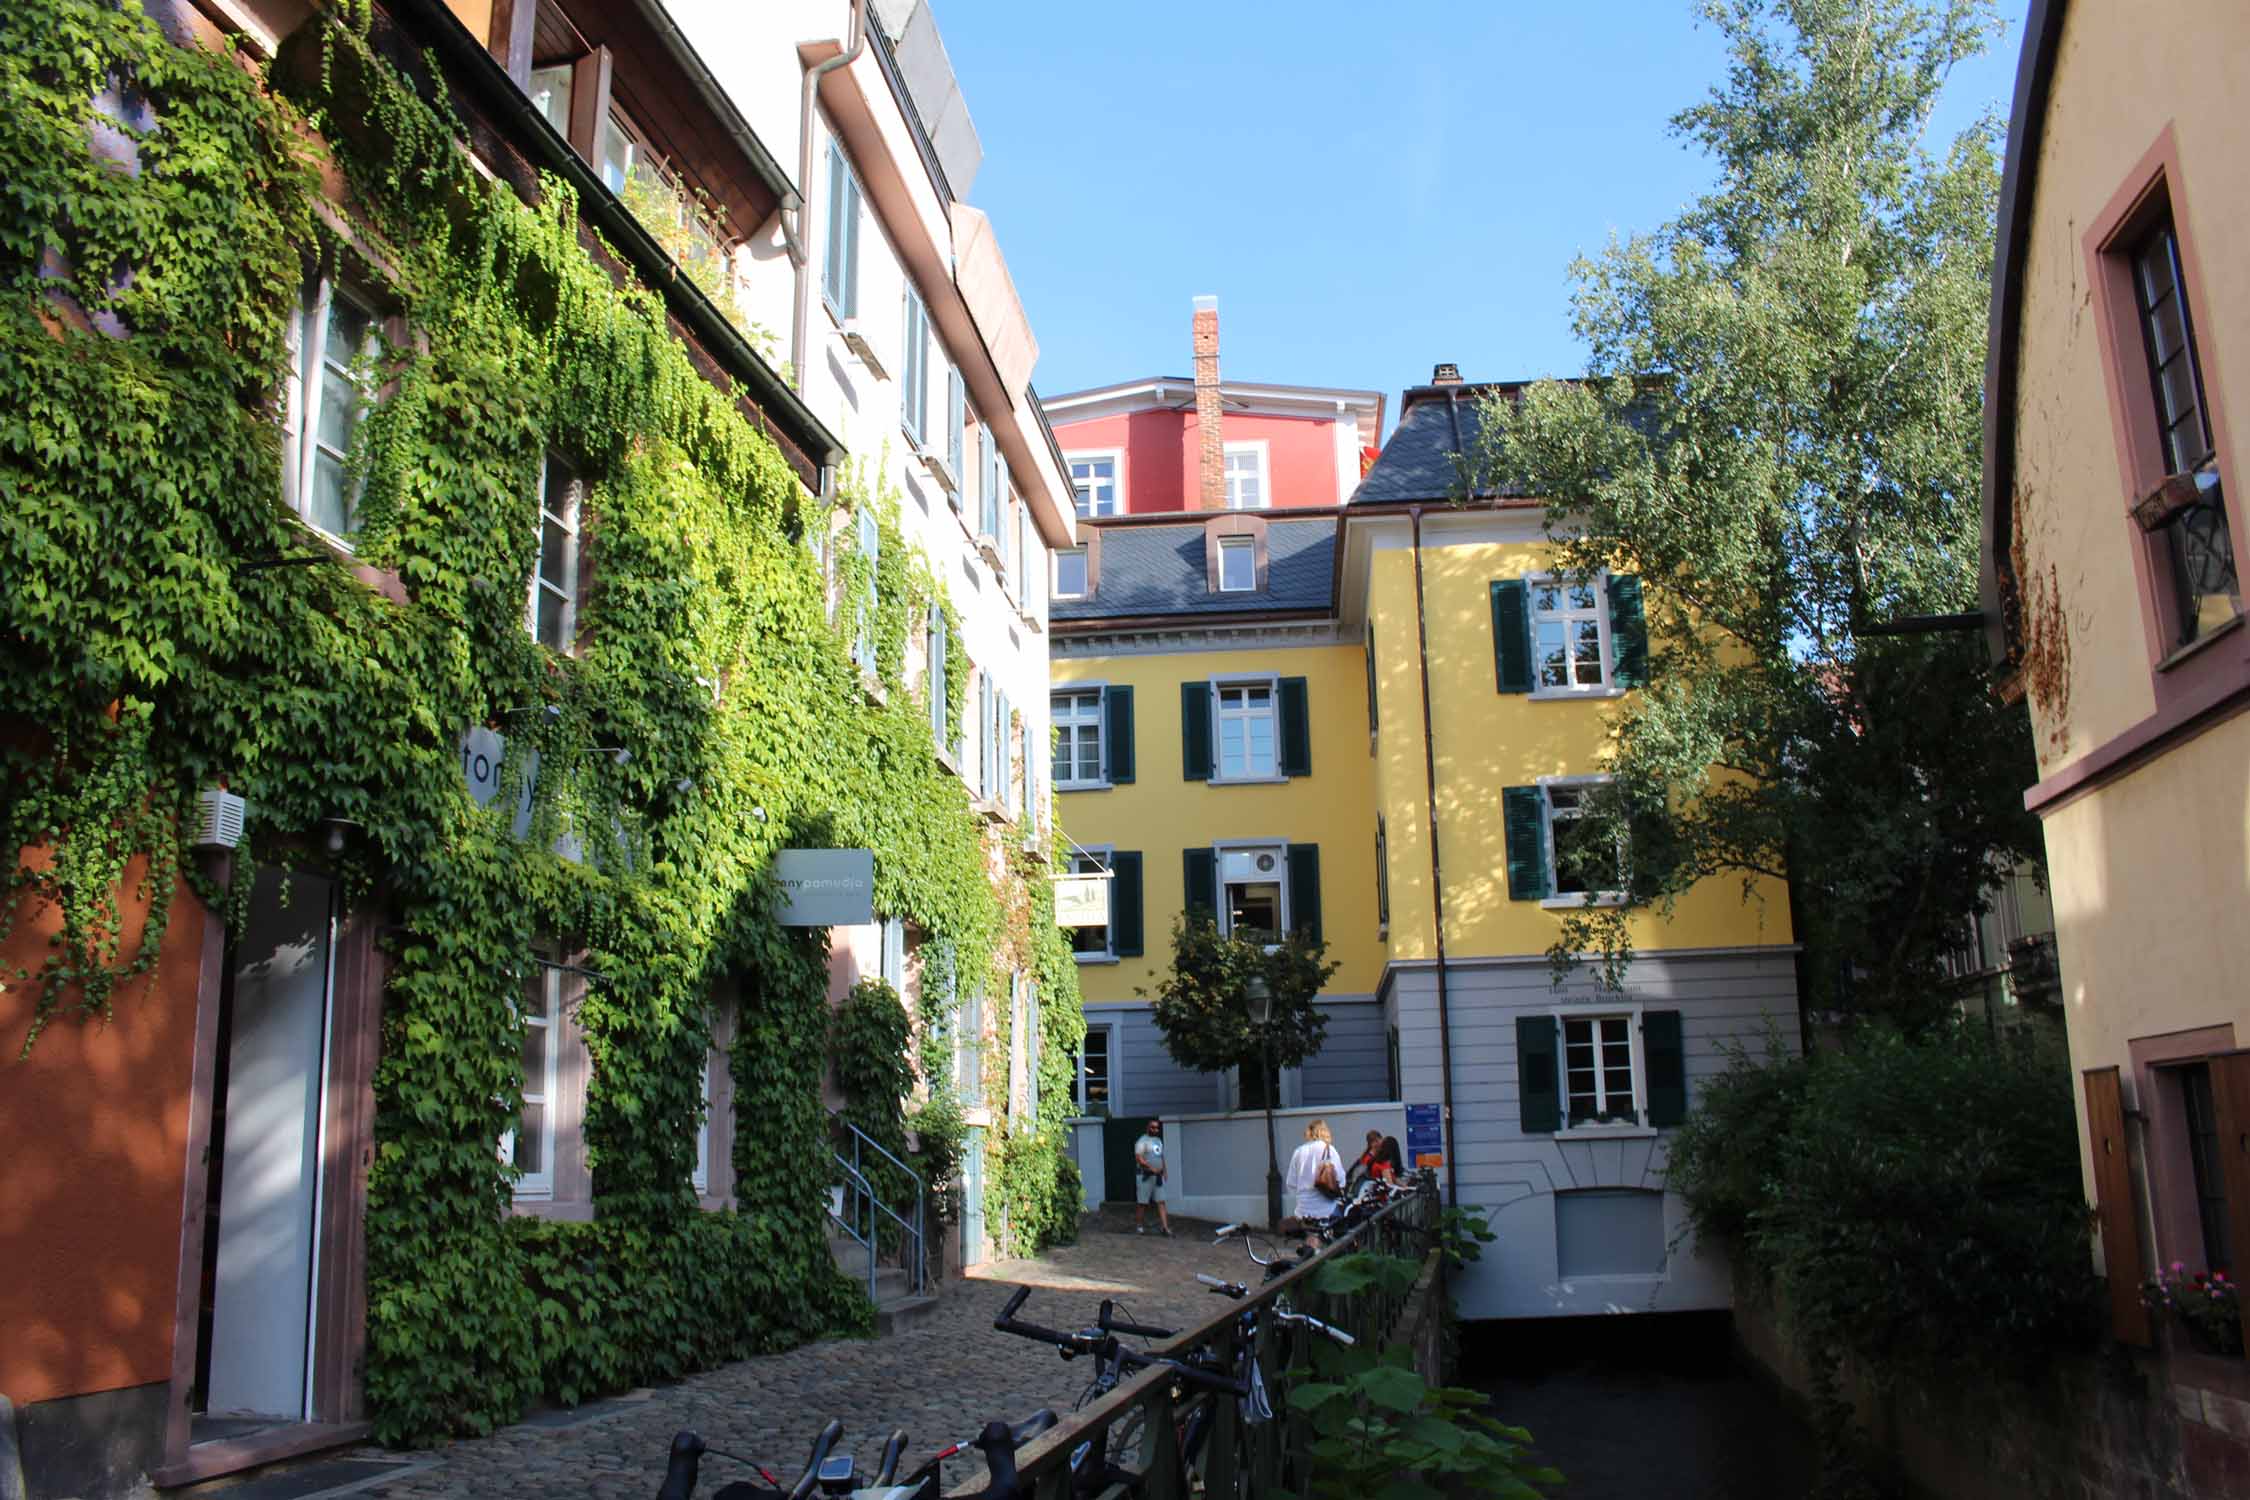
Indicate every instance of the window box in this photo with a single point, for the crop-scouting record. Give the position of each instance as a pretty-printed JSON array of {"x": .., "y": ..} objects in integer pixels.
[{"x": 863, "y": 348}]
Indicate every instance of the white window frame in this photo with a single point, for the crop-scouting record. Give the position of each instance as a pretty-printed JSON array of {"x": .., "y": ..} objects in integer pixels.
[
  {"x": 1115, "y": 457},
  {"x": 308, "y": 380},
  {"x": 891, "y": 965},
  {"x": 914, "y": 370},
  {"x": 869, "y": 539},
  {"x": 935, "y": 649},
  {"x": 1278, "y": 848},
  {"x": 700, "y": 1178},
  {"x": 1238, "y": 546},
  {"x": 1260, "y": 452},
  {"x": 1631, "y": 1015},
  {"x": 1599, "y": 613},
  {"x": 1077, "y": 720},
  {"x": 1098, "y": 859},
  {"x": 550, "y": 84},
  {"x": 611, "y": 124},
  {"x": 574, "y": 527},
  {"x": 840, "y": 241},
  {"x": 541, "y": 1184},
  {"x": 1085, "y": 573},
  {"x": 1548, "y": 785},
  {"x": 1220, "y": 685},
  {"x": 1111, "y": 1049}
]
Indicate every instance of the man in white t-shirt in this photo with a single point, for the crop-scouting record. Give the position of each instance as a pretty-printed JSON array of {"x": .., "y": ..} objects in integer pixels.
[{"x": 1148, "y": 1173}]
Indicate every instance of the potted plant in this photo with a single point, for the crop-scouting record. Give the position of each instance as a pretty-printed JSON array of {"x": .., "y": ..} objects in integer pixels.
[{"x": 2205, "y": 1303}]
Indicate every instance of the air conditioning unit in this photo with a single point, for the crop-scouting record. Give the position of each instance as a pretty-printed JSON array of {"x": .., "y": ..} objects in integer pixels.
[
  {"x": 863, "y": 348},
  {"x": 1251, "y": 865},
  {"x": 218, "y": 823}
]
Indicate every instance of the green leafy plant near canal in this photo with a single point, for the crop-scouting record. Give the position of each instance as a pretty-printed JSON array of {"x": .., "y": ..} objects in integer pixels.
[
  {"x": 1382, "y": 1430},
  {"x": 152, "y": 649}
]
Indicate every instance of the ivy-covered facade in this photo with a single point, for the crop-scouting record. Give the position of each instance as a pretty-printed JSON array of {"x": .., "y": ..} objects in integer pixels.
[{"x": 427, "y": 611}]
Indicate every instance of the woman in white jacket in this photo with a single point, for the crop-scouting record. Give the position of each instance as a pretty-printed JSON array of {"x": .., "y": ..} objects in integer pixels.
[{"x": 1318, "y": 1150}]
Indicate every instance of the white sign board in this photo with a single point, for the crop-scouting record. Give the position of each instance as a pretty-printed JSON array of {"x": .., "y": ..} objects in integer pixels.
[
  {"x": 1082, "y": 900},
  {"x": 826, "y": 887}
]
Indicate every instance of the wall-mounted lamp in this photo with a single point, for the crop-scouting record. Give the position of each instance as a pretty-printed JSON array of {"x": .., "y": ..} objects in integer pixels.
[
  {"x": 618, "y": 754},
  {"x": 759, "y": 813},
  {"x": 338, "y": 831}
]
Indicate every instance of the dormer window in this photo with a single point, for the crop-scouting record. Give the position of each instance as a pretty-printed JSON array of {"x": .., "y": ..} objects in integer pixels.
[{"x": 1238, "y": 564}]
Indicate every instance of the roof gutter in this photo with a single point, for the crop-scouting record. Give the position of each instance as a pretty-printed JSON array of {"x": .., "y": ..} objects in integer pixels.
[
  {"x": 2027, "y": 123},
  {"x": 468, "y": 60},
  {"x": 1437, "y": 870},
  {"x": 793, "y": 225}
]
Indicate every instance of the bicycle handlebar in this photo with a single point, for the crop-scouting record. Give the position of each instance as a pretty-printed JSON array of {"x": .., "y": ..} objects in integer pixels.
[
  {"x": 1106, "y": 1345},
  {"x": 1316, "y": 1325},
  {"x": 808, "y": 1481},
  {"x": 1230, "y": 1288},
  {"x": 1109, "y": 1324}
]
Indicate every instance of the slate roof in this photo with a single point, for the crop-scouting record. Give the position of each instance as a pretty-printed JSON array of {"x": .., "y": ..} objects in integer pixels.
[
  {"x": 1160, "y": 570},
  {"x": 1436, "y": 424}
]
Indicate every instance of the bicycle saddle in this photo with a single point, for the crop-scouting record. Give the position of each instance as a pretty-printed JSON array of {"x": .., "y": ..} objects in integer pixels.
[{"x": 681, "y": 1468}]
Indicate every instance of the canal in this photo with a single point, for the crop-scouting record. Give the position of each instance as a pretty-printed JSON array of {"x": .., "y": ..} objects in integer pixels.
[{"x": 1642, "y": 1407}]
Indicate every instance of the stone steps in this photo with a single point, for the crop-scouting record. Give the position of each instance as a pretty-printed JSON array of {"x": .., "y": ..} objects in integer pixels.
[{"x": 895, "y": 1306}]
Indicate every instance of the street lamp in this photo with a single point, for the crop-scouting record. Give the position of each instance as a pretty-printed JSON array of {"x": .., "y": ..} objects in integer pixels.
[{"x": 1257, "y": 1001}]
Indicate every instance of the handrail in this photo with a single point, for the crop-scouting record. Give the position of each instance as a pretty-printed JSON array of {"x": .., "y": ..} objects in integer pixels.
[
  {"x": 1241, "y": 1459},
  {"x": 912, "y": 1231}
]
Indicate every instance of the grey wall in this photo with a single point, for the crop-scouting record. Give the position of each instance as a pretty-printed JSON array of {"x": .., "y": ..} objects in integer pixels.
[
  {"x": 1351, "y": 1067},
  {"x": 1724, "y": 997}
]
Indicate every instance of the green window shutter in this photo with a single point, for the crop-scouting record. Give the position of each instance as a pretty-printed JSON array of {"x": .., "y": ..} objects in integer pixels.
[
  {"x": 1524, "y": 811},
  {"x": 1628, "y": 633},
  {"x": 1195, "y": 731},
  {"x": 1296, "y": 728},
  {"x": 1304, "y": 889},
  {"x": 1125, "y": 938},
  {"x": 1202, "y": 867},
  {"x": 1117, "y": 729},
  {"x": 1666, "y": 1057},
  {"x": 1538, "y": 1082},
  {"x": 1511, "y": 635}
]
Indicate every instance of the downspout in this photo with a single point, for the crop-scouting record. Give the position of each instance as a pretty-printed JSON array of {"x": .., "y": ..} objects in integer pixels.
[
  {"x": 792, "y": 233},
  {"x": 1437, "y": 870}
]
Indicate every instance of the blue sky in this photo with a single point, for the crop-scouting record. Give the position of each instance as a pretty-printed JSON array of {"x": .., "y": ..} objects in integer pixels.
[{"x": 1368, "y": 190}]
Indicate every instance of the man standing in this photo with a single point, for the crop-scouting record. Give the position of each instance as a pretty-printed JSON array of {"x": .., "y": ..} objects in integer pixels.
[{"x": 1148, "y": 1170}]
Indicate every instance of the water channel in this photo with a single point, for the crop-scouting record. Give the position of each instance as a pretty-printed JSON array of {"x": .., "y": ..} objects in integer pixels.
[{"x": 1643, "y": 1408}]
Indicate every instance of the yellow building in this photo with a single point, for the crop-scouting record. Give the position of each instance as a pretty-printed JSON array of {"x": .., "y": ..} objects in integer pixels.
[
  {"x": 2113, "y": 494},
  {"x": 1400, "y": 708}
]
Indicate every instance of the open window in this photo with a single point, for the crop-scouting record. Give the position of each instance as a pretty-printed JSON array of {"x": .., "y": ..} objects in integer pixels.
[{"x": 334, "y": 341}]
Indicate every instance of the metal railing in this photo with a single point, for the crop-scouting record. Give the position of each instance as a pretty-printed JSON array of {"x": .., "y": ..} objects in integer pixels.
[
  {"x": 1240, "y": 1458},
  {"x": 865, "y": 1213}
]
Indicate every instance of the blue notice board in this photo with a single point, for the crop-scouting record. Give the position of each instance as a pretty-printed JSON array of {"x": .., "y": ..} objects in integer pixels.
[{"x": 1425, "y": 1136}]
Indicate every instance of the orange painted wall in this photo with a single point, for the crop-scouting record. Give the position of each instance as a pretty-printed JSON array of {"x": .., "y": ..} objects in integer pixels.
[
  {"x": 93, "y": 1154},
  {"x": 1161, "y": 450}
]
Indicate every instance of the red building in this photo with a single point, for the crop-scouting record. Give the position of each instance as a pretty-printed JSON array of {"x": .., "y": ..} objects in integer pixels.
[{"x": 1172, "y": 444}]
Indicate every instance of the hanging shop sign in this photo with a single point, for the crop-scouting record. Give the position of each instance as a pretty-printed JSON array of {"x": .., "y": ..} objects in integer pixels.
[
  {"x": 826, "y": 887},
  {"x": 1082, "y": 900}
]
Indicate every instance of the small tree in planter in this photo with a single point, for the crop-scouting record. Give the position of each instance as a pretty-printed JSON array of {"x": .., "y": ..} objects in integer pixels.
[{"x": 1203, "y": 1009}]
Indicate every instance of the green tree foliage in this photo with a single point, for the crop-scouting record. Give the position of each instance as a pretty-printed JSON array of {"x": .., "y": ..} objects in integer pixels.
[
  {"x": 168, "y": 624},
  {"x": 1200, "y": 1009},
  {"x": 1779, "y": 434},
  {"x": 1916, "y": 1203}
]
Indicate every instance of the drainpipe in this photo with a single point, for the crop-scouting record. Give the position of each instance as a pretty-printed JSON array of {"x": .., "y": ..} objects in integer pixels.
[
  {"x": 792, "y": 232},
  {"x": 1437, "y": 870}
]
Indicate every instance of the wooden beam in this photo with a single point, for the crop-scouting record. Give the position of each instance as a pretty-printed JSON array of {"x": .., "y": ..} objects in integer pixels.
[{"x": 510, "y": 41}]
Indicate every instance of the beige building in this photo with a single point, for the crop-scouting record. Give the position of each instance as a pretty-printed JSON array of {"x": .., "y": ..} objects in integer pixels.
[{"x": 2115, "y": 497}]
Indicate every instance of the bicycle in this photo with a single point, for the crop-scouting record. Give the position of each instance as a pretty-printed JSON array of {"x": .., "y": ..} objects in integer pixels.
[{"x": 834, "y": 1475}]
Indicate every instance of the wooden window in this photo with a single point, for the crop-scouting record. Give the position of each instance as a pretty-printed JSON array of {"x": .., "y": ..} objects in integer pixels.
[
  {"x": 1248, "y": 732},
  {"x": 2186, "y": 521},
  {"x": 1245, "y": 470},
  {"x": 863, "y": 608},
  {"x": 1070, "y": 573},
  {"x": 1599, "y": 1078},
  {"x": 1092, "y": 1072},
  {"x": 940, "y": 710},
  {"x": 701, "y": 1177},
  {"x": 956, "y": 427}
]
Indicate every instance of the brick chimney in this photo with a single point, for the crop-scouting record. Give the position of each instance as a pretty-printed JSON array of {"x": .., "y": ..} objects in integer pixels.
[
  {"x": 1211, "y": 489},
  {"x": 1446, "y": 374}
]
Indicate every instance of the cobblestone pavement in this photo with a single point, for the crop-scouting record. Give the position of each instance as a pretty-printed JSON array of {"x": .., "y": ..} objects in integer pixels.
[{"x": 941, "y": 1379}]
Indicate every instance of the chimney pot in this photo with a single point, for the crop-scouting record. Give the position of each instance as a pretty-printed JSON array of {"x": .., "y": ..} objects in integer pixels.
[{"x": 1446, "y": 374}]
